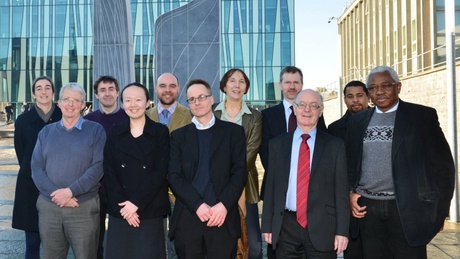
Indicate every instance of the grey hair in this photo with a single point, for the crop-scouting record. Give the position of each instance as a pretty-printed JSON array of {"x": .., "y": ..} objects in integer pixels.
[
  {"x": 381, "y": 69},
  {"x": 307, "y": 90},
  {"x": 74, "y": 87}
]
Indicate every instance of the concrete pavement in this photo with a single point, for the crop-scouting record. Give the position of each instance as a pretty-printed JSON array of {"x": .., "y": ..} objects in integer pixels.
[{"x": 445, "y": 245}]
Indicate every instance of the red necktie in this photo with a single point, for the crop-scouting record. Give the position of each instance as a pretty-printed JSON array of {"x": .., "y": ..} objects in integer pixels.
[
  {"x": 292, "y": 120},
  {"x": 303, "y": 180}
]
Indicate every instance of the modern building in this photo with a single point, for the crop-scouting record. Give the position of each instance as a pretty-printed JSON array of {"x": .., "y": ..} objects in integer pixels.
[
  {"x": 408, "y": 35},
  {"x": 54, "y": 38}
]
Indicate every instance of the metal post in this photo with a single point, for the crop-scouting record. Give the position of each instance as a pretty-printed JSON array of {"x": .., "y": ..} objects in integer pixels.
[{"x": 451, "y": 94}]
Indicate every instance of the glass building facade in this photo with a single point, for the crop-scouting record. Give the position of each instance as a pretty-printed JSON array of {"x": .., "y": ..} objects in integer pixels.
[
  {"x": 54, "y": 38},
  {"x": 258, "y": 37}
]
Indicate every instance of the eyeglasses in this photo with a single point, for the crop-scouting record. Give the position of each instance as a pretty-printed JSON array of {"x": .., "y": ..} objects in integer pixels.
[
  {"x": 199, "y": 98},
  {"x": 384, "y": 87},
  {"x": 312, "y": 106},
  {"x": 70, "y": 100}
]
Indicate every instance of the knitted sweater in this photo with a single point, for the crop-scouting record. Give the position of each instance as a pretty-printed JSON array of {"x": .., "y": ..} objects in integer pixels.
[
  {"x": 107, "y": 120},
  {"x": 69, "y": 159},
  {"x": 376, "y": 179}
]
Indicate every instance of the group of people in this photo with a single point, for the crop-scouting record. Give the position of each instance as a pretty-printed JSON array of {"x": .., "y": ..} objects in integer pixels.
[{"x": 375, "y": 184}]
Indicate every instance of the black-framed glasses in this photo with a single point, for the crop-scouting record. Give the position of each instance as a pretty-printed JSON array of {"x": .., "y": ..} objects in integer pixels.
[
  {"x": 199, "y": 98},
  {"x": 384, "y": 87},
  {"x": 312, "y": 106}
]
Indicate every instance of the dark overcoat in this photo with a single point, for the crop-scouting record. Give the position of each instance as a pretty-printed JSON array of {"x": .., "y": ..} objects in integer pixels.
[
  {"x": 136, "y": 170},
  {"x": 423, "y": 169},
  {"x": 26, "y": 128}
]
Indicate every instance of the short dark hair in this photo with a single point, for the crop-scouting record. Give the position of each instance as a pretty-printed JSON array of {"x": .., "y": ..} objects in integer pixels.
[
  {"x": 355, "y": 83},
  {"x": 291, "y": 70},
  {"x": 146, "y": 91},
  {"x": 198, "y": 82},
  {"x": 228, "y": 74},
  {"x": 42, "y": 78},
  {"x": 105, "y": 79}
]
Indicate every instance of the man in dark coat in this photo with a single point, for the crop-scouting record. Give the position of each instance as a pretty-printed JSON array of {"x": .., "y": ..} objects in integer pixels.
[
  {"x": 356, "y": 97},
  {"x": 401, "y": 172},
  {"x": 9, "y": 109},
  {"x": 309, "y": 185},
  {"x": 207, "y": 173}
]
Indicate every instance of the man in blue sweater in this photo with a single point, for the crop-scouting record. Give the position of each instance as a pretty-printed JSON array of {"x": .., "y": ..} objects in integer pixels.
[
  {"x": 106, "y": 90},
  {"x": 66, "y": 168}
]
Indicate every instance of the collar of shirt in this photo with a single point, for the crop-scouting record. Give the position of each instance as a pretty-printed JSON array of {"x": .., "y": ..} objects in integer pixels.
[
  {"x": 114, "y": 111},
  {"x": 287, "y": 108},
  {"x": 298, "y": 137},
  {"x": 238, "y": 119},
  {"x": 292, "y": 184},
  {"x": 287, "y": 112},
  {"x": 377, "y": 110},
  {"x": 78, "y": 125},
  {"x": 171, "y": 108},
  {"x": 200, "y": 126}
]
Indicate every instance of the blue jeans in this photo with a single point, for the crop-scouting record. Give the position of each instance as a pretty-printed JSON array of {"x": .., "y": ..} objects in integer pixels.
[
  {"x": 382, "y": 234},
  {"x": 254, "y": 234}
]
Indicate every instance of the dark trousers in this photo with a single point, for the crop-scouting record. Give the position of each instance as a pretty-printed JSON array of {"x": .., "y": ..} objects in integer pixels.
[
  {"x": 194, "y": 240},
  {"x": 382, "y": 233},
  {"x": 294, "y": 241},
  {"x": 254, "y": 234},
  {"x": 103, "y": 215},
  {"x": 271, "y": 254},
  {"x": 354, "y": 249},
  {"x": 9, "y": 117},
  {"x": 32, "y": 245}
]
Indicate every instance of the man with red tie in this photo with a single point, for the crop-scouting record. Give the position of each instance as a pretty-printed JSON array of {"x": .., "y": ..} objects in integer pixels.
[{"x": 306, "y": 203}]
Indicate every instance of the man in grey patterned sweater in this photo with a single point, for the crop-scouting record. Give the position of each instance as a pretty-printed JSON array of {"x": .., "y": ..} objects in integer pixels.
[{"x": 401, "y": 172}]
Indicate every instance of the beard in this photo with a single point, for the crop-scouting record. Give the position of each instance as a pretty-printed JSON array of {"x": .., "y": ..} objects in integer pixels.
[{"x": 166, "y": 102}]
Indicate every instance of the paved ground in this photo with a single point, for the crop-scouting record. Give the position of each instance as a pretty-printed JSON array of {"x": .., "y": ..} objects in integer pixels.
[{"x": 445, "y": 245}]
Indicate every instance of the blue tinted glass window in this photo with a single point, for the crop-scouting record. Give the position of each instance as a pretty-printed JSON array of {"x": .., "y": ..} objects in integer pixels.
[
  {"x": 4, "y": 21},
  {"x": 17, "y": 21}
]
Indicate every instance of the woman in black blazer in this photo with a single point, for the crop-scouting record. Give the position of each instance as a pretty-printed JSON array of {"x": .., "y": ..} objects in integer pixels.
[
  {"x": 26, "y": 128},
  {"x": 136, "y": 157}
]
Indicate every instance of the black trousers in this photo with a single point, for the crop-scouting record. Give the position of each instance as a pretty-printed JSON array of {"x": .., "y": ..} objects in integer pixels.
[
  {"x": 382, "y": 234},
  {"x": 294, "y": 241},
  {"x": 194, "y": 240}
]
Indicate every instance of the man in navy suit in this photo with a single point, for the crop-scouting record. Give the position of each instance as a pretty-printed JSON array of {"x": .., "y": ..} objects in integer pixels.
[
  {"x": 401, "y": 172},
  {"x": 277, "y": 119},
  {"x": 322, "y": 198},
  {"x": 207, "y": 173}
]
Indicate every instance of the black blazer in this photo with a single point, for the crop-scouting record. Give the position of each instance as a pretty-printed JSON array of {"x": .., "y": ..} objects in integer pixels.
[
  {"x": 339, "y": 127},
  {"x": 26, "y": 129},
  {"x": 423, "y": 168},
  {"x": 328, "y": 208},
  {"x": 274, "y": 124},
  {"x": 228, "y": 172},
  {"x": 136, "y": 171}
]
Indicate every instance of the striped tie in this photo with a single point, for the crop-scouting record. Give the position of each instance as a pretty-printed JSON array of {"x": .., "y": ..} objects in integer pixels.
[{"x": 303, "y": 180}]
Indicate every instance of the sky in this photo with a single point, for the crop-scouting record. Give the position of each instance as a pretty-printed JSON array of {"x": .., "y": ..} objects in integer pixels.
[{"x": 317, "y": 42}]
